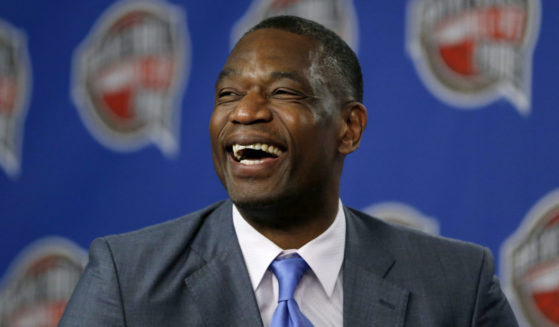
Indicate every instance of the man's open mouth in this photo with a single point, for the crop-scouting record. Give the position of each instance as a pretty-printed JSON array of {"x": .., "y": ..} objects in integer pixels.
[{"x": 253, "y": 154}]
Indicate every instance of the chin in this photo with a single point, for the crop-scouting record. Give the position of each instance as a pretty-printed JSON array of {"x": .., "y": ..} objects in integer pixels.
[
  {"x": 261, "y": 200},
  {"x": 263, "y": 212},
  {"x": 252, "y": 194},
  {"x": 254, "y": 202}
]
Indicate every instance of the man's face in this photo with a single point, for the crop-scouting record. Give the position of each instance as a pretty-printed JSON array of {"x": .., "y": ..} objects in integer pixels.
[{"x": 274, "y": 129}]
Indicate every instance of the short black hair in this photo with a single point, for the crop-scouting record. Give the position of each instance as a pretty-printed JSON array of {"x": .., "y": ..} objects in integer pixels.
[{"x": 336, "y": 57}]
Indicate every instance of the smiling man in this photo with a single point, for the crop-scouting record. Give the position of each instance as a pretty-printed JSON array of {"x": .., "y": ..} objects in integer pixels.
[
  {"x": 284, "y": 251},
  {"x": 280, "y": 134}
]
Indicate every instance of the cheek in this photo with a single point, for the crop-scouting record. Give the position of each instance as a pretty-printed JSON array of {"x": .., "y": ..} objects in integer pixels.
[
  {"x": 320, "y": 140},
  {"x": 309, "y": 131},
  {"x": 217, "y": 122},
  {"x": 297, "y": 120}
]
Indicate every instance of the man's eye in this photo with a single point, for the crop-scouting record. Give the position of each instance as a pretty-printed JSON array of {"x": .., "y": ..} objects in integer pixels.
[
  {"x": 287, "y": 94},
  {"x": 228, "y": 95}
]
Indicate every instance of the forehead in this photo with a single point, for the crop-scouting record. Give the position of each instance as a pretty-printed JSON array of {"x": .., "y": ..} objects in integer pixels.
[{"x": 271, "y": 49}]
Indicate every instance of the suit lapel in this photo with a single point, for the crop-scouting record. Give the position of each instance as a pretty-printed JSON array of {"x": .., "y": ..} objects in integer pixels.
[
  {"x": 219, "y": 284},
  {"x": 369, "y": 298}
]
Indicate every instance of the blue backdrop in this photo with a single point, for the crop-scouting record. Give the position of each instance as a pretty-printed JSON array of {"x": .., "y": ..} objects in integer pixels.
[{"x": 472, "y": 158}]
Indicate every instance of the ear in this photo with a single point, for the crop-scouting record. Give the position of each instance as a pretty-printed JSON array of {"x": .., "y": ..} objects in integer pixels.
[{"x": 354, "y": 115}]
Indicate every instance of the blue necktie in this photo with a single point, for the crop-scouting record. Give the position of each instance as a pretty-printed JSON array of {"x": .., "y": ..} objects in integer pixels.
[{"x": 289, "y": 272}]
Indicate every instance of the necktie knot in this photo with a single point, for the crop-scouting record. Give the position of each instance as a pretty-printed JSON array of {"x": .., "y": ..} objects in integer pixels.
[{"x": 289, "y": 272}]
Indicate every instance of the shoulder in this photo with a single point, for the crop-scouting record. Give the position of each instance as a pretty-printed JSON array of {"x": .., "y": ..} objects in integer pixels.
[
  {"x": 398, "y": 236},
  {"x": 160, "y": 242},
  {"x": 452, "y": 278},
  {"x": 178, "y": 228},
  {"x": 126, "y": 272},
  {"x": 415, "y": 249},
  {"x": 158, "y": 253}
]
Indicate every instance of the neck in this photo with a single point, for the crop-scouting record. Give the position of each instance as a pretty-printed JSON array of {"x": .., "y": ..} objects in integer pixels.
[{"x": 293, "y": 223}]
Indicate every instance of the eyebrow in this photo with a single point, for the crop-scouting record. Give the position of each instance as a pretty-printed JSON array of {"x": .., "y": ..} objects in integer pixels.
[
  {"x": 288, "y": 75},
  {"x": 274, "y": 75},
  {"x": 223, "y": 74}
]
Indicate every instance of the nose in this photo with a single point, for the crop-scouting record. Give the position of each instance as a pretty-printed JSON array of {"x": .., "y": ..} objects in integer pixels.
[{"x": 251, "y": 109}]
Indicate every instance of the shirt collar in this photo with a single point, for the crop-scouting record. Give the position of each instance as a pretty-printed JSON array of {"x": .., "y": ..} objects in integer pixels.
[{"x": 324, "y": 254}]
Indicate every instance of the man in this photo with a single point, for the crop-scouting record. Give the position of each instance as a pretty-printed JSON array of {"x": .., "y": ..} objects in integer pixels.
[{"x": 287, "y": 112}]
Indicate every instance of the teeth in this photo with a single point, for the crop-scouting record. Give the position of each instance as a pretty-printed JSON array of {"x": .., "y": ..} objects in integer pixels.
[
  {"x": 251, "y": 162},
  {"x": 258, "y": 146}
]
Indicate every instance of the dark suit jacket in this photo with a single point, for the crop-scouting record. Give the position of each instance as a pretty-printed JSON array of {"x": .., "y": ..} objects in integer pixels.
[{"x": 191, "y": 272}]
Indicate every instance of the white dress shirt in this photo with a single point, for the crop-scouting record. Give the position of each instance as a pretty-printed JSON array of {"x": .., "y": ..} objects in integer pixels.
[{"x": 319, "y": 293}]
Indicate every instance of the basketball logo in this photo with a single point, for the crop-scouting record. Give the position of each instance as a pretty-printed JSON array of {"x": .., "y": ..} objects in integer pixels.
[
  {"x": 531, "y": 264},
  {"x": 470, "y": 53},
  {"x": 40, "y": 282},
  {"x": 128, "y": 76},
  {"x": 15, "y": 87},
  {"x": 337, "y": 15}
]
